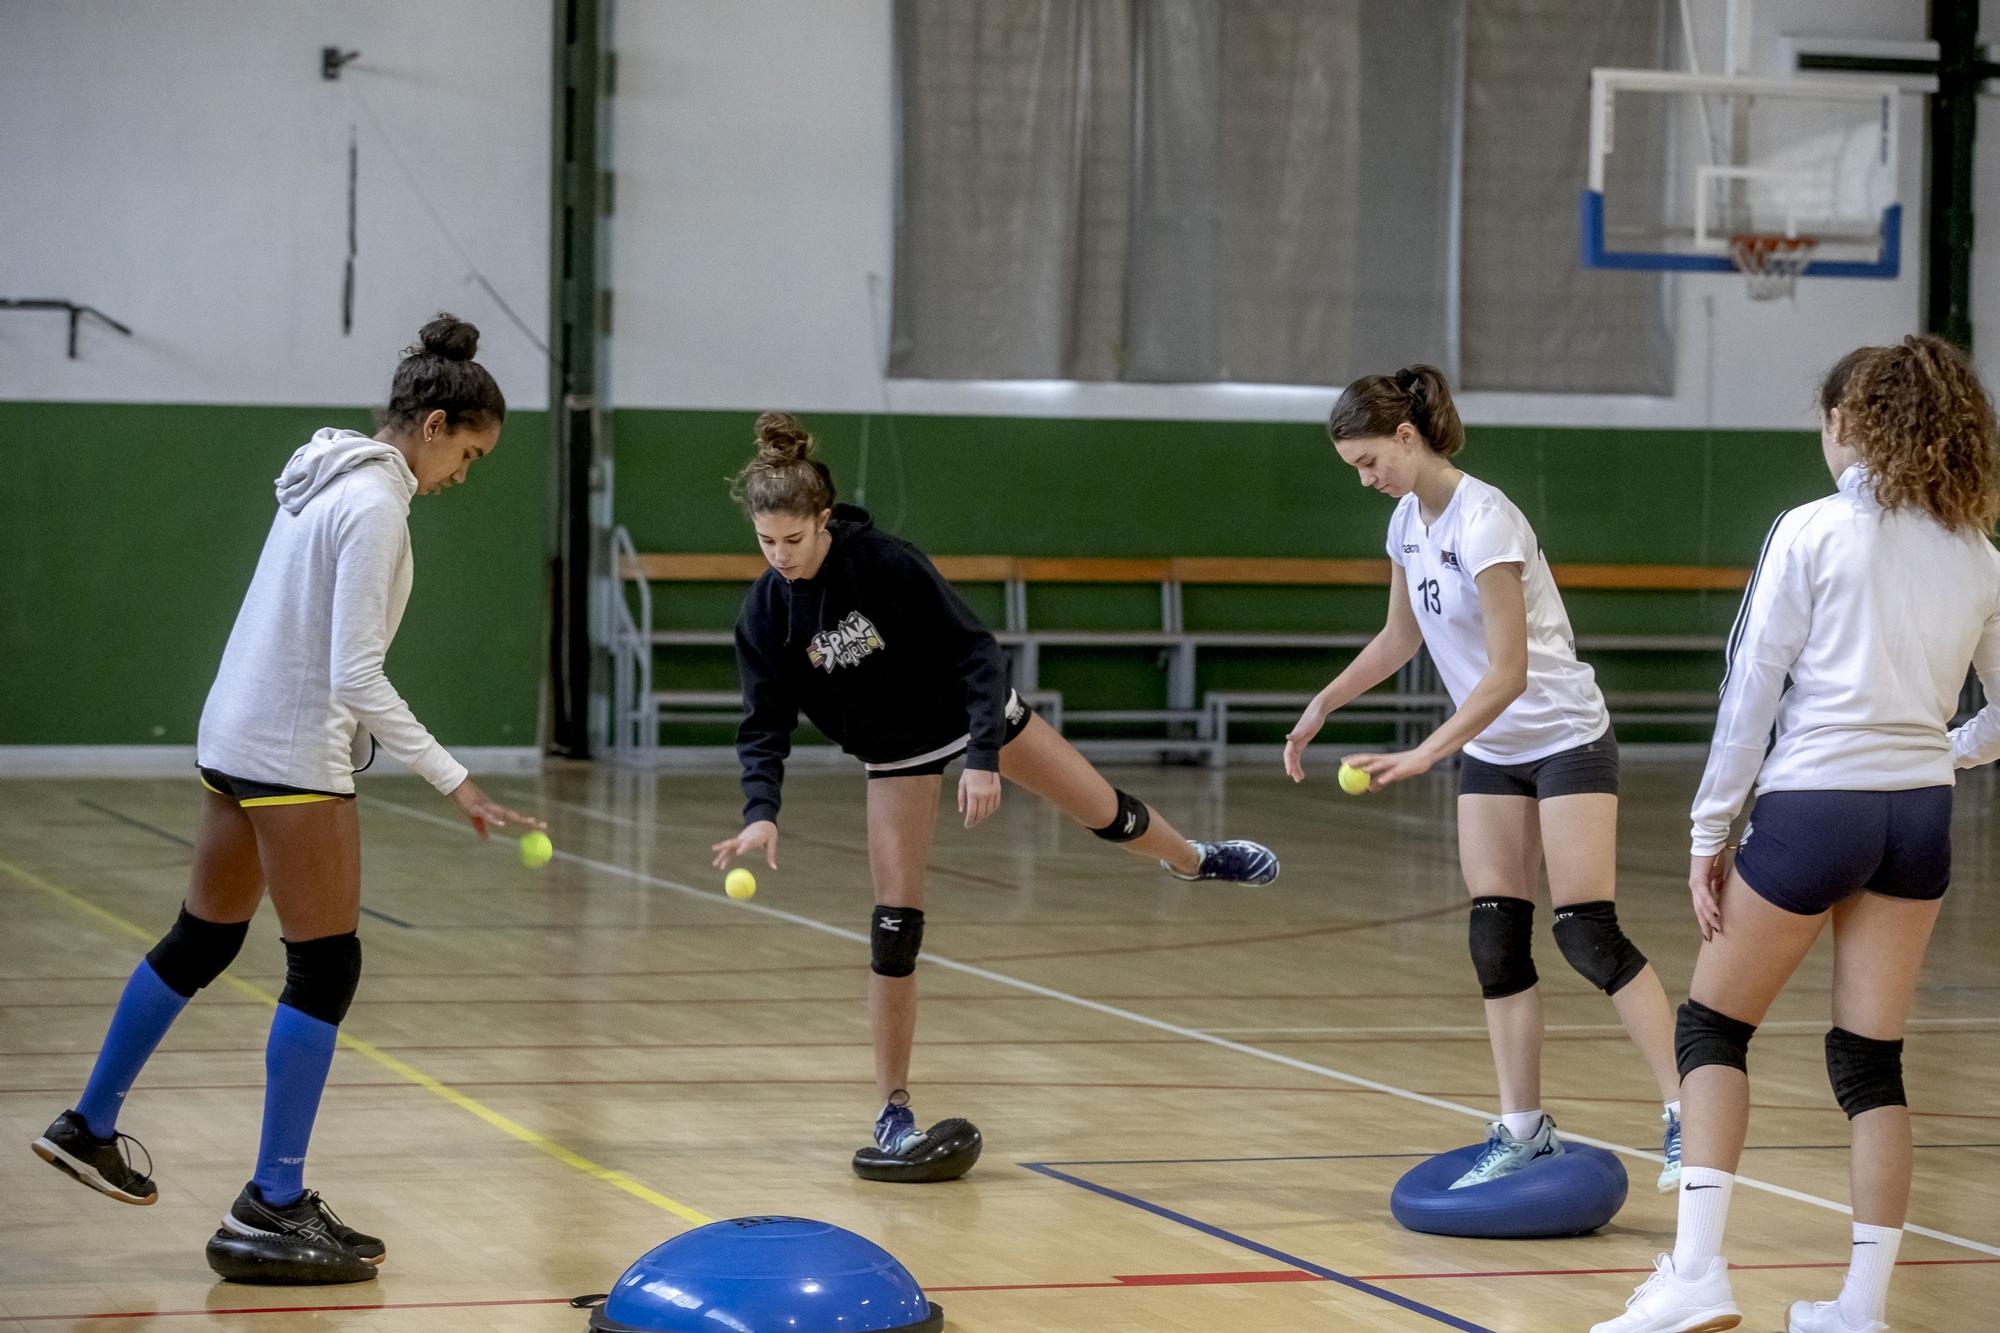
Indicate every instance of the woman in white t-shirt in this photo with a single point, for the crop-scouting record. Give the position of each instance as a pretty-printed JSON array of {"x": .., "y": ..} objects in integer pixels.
[{"x": 1538, "y": 783}]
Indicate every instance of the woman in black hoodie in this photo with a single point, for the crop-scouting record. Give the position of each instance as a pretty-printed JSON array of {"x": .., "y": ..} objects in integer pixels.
[{"x": 857, "y": 630}]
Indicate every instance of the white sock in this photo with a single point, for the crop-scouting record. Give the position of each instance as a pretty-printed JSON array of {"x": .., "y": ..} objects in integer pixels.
[
  {"x": 1674, "y": 1108},
  {"x": 1866, "y": 1293},
  {"x": 1704, "y": 1213},
  {"x": 1522, "y": 1124}
]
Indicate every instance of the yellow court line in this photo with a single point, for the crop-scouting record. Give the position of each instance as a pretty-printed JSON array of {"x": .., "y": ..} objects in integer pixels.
[{"x": 368, "y": 1051}]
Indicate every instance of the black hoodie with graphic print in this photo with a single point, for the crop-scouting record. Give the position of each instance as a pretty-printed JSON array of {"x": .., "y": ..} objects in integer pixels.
[{"x": 876, "y": 649}]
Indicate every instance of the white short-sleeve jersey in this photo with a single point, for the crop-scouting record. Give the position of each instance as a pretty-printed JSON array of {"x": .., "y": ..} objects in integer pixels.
[{"x": 1561, "y": 708}]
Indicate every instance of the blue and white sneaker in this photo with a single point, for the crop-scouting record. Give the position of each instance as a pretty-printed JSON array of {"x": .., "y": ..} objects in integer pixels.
[
  {"x": 1670, "y": 1148},
  {"x": 1505, "y": 1154},
  {"x": 1237, "y": 861},
  {"x": 896, "y": 1128}
]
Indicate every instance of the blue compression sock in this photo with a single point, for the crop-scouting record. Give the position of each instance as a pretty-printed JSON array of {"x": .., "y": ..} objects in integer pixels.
[
  {"x": 296, "y": 1061},
  {"x": 145, "y": 1011}
]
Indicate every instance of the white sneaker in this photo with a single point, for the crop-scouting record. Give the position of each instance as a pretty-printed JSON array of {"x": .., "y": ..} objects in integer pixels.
[
  {"x": 1825, "y": 1317},
  {"x": 1504, "y": 1154},
  {"x": 1670, "y": 1302}
]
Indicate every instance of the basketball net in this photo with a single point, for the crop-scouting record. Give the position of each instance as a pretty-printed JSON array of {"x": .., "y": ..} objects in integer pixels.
[{"x": 1771, "y": 262}]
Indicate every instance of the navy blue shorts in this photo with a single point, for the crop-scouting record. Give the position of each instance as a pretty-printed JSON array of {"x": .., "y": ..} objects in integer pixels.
[
  {"x": 1804, "y": 851},
  {"x": 1592, "y": 767}
]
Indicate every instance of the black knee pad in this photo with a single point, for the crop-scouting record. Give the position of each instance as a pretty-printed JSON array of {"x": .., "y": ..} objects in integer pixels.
[
  {"x": 194, "y": 952},
  {"x": 895, "y": 934},
  {"x": 1589, "y": 937},
  {"x": 1704, "y": 1037},
  {"x": 1866, "y": 1072},
  {"x": 1131, "y": 821},
  {"x": 1502, "y": 935},
  {"x": 321, "y": 974}
]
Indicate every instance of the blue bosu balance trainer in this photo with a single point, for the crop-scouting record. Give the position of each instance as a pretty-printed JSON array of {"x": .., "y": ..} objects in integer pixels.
[
  {"x": 1578, "y": 1192},
  {"x": 765, "y": 1275}
]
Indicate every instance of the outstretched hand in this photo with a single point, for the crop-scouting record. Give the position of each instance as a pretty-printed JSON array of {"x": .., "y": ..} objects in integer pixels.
[
  {"x": 1383, "y": 769},
  {"x": 763, "y": 833},
  {"x": 1298, "y": 738},
  {"x": 481, "y": 810}
]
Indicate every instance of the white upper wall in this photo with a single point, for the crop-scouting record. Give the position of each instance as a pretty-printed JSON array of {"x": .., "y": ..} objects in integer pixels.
[
  {"x": 183, "y": 167},
  {"x": 754, "y": 145}
]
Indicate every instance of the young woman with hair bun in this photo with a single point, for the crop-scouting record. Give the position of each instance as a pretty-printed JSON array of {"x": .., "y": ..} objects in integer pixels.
[
  {"x": 1538, "y": 776},
  {"x": 858, "y": 631},
  {"x": 297, "y": 708}
]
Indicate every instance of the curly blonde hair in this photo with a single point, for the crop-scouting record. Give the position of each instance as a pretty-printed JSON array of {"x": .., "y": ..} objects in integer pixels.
[{"x": 1924, "y": 425}]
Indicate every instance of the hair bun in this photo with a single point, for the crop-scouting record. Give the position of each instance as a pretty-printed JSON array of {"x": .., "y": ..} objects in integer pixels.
[
  {"x": 449, "y": 337},
  {"x": 782, "y": 438}
]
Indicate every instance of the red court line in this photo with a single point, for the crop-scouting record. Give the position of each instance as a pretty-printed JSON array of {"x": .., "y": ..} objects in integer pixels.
[
  {"x": 580, "y": 1048},
  {"x": 1126, "y": 1281},
  {"x": 293, "y": 1309},
  {"x": 1603, "y": 1272},
  {"x": 402, "y": 1085},
  {"x": 1551, "y": 988},
  {"x": 1316, "y": 1091}
]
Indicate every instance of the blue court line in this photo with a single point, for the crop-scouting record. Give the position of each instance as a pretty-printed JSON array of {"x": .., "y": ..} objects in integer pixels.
[
  {"x": 157, "y": 831},
  {"x": 1257, "y": 1247},
  {"x": 154, "y": 829}
]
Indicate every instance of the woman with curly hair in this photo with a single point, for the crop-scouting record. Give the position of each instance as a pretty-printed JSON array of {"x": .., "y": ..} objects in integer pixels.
[{"x": 1851, "y": 647}]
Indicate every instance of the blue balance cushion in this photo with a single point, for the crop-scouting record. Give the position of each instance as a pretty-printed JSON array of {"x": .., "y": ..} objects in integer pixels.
[
  {"x": 1569, "y": 1195},
  {"x": 767, "y": 1275}
]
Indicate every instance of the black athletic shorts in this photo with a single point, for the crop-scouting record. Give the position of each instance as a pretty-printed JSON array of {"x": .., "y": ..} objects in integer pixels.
[
  {"x": 249, "y": 793},
  {"x": 934, "y": 763},
  {"x": 1592, "y": 767},
  {"x": 1804, "y": 851}
]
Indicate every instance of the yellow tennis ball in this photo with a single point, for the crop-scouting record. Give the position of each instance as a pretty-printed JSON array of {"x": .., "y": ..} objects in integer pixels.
[
  {"x": 536, "y": 849},
  {"x": 1352, "y": 780},
  {"x": 740, "y": 883}
]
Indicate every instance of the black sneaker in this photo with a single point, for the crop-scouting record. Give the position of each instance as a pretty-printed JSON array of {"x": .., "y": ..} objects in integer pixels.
[
  {"x": 1236, "y": 861},
  {"x": 302, "y": 1243},
  {"x": 102, "y": 1164}
]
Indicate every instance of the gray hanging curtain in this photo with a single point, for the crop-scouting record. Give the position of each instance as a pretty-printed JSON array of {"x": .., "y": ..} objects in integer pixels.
[
  {"x": 1533, "y": 318},
  {"x": 1260, "y": 190},
  {"x": 1013, "y": 131}
]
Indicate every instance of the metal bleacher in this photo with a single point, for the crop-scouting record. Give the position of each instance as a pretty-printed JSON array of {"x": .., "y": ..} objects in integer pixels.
[{"x": 1188, "y": 726}]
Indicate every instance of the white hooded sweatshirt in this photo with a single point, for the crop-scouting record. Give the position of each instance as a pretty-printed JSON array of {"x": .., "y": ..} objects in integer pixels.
[{"x": 301, "y": 685}]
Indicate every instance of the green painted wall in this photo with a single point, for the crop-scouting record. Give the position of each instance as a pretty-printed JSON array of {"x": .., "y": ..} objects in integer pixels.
[
  {"x": 1010, "y": 485},
  {"x": 129, "y": 532},
  {"x": 1031, "y": 486}
]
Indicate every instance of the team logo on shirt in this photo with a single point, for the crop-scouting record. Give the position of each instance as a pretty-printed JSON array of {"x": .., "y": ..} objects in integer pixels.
[
  {"x": 1450, "y": 559},
  {"x": 845, "y": 644},
  {"x": 1409, "y": 548}
]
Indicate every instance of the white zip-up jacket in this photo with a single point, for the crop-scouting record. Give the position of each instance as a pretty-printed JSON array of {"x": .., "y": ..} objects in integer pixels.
[
  {"x": 302, "y": 685},
  {"x": 1853, "y": 641}
]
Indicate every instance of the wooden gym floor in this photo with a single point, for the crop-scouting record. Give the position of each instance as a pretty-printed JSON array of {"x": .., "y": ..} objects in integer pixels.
[{"x": 1195, "y": 1097}]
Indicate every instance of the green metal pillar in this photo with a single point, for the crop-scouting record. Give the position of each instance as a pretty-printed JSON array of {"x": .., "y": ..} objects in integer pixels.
[{"x": 575, "y": 304}]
